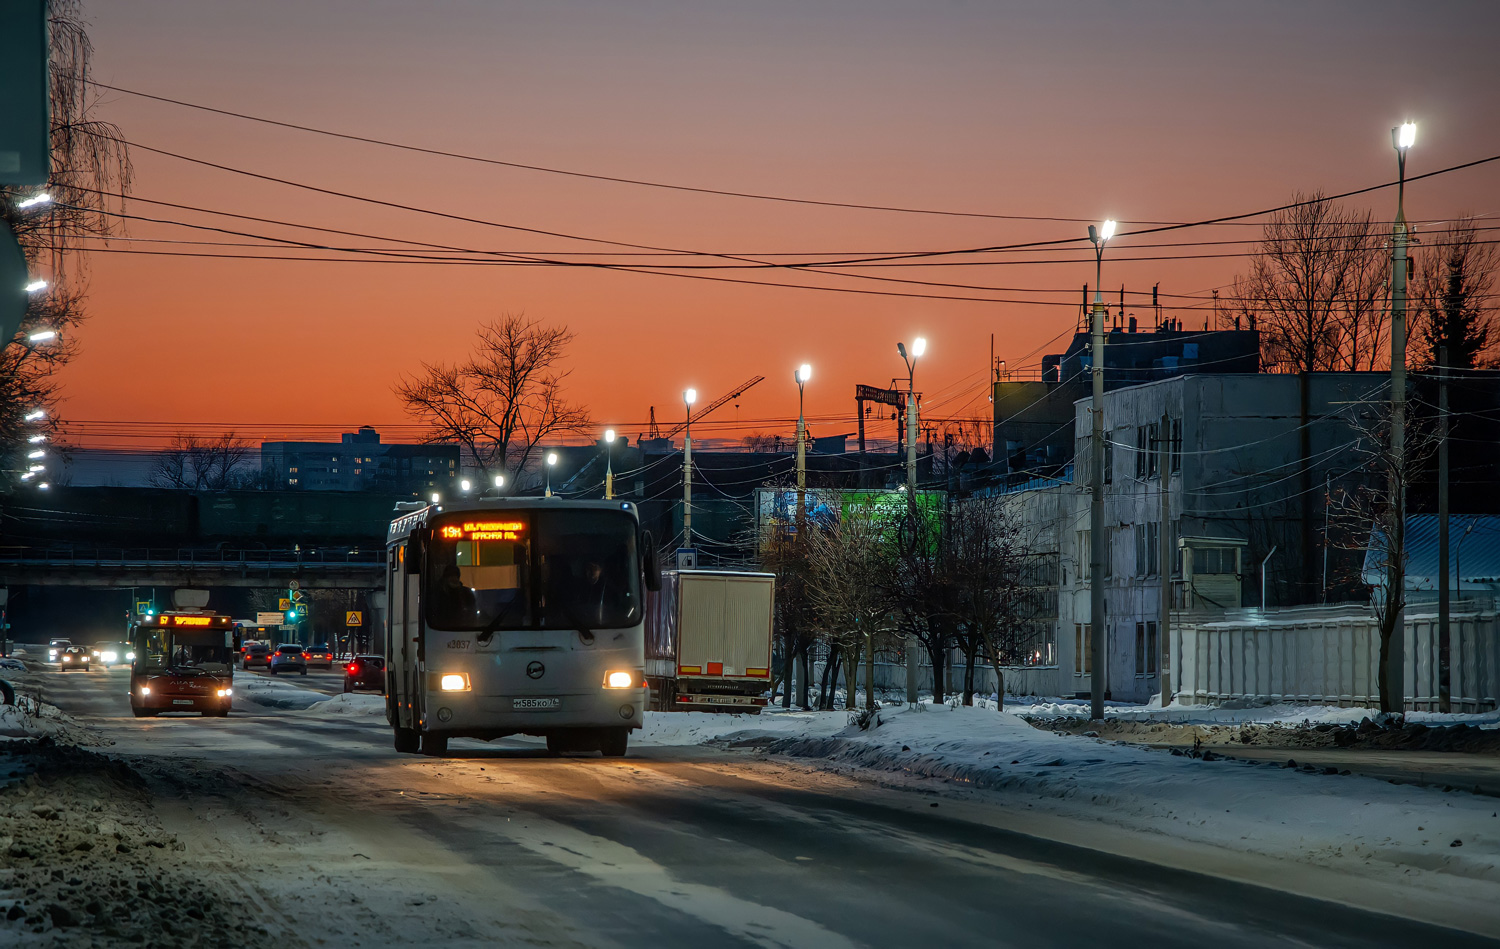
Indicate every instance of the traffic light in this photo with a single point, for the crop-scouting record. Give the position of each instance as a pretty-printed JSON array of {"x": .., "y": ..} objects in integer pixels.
[{"x": 291, "y": 616}]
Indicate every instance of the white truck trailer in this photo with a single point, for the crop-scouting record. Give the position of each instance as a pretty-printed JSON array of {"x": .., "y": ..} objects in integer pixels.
[{"x": 708, "y": 640}]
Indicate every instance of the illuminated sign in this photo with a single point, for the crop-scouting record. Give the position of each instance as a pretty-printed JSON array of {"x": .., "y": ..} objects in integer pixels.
[
  {"x": 176, "y": 619},
  {"x": 484, "y": 530},
  {"x": 190, "y": 620}
]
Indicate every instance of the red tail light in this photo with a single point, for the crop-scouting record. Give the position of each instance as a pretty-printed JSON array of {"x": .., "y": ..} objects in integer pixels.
[{"x": 352, "y": 668}]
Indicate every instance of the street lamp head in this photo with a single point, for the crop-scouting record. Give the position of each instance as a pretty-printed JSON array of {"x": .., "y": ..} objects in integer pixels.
[
  {"x": 804, "y": 372},
  {"x": 36, "y": 286},
  {"x": 43, "y": 198},
  {"x": 918, "y": 347},
  {"x": 41, "y": 336},
  {"x": 1107, "y": 230},
  {"x": 465, "y": 485},
  {"x": 1404, "y": 136},
  {"x": 37, "y": 439},
  {"x": 436, "y": 497},
  {"x": 609, "y": 436},
  {"x": 689, "y": 396},
  {"x": 551, "y": 458},
  {"x": 499, "y": 481},
  {"x": 35, "y": 414},
  {"x": 35, "y": 454},
  {"x": 901, "y": 349}
]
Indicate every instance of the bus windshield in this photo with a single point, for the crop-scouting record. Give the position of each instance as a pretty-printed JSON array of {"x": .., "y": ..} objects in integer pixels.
[
  {"x": 565, "y": 569},
  {"x": 186, "y": 652}
]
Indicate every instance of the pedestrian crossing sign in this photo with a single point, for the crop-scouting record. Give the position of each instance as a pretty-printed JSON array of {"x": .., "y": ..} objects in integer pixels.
[{"x": 354, "y": 618}]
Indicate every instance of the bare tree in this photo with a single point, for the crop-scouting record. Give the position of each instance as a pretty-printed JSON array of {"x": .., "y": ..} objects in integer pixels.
[
  {"x": 785, "y": 551},
  {"x": 503, "y": 401},
  {"x": 1314, "y": 289},
  {"x": 921, "y": 591},
  {"x": 987, "y": 555},
  {"x": 91, "y": 173},
  {"x": 848, "y": 561},
  {"x": 214, "y": 464},
  {"x": 1453, "y": 308}
]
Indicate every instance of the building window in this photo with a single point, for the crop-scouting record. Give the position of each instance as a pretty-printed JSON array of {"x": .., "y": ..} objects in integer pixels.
[
  {"x": 1219, "y": 560},
  {"x": 1175, "y": 450},
  {"x": 1085, "y": 557},
  {"x": 1109, "y": 461},
  {"x": 1146, "y": 448},
  {"x": 1145, "y": 649},
  {"x": 292, "y": 470},
  {"x": 1147, "y": 549},
  {"x": 1082, "y": 658}
]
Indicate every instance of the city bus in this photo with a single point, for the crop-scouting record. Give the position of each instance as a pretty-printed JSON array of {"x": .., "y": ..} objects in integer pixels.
[
  {"x": 184, "y": 662},
  {"x": 517, "y": 616}
]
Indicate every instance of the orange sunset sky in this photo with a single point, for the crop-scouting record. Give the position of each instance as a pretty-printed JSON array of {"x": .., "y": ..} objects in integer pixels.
[{"x": 1142, "y": 111}]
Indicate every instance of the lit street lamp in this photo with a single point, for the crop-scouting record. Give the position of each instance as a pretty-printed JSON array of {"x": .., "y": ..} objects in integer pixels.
[
  {"x": 1097, "y": 548},
  {"x": 1402, "y": 139},
  {"x": 465, "y": 485},
  {"x": 499, "y": 481},
  {"x": 36, "y": 286},
  {"x": 42, "y": 336},
  {"x": 803, "y": 374},
  {"x": 43, "y": 198},
  {"x": 689, "y": 396},
  {"x": 609, "y": 471},
  {"x": 918, "y": 347},
  {"x": 35, "y": 414},
  {"x": 551, "y": 460}
]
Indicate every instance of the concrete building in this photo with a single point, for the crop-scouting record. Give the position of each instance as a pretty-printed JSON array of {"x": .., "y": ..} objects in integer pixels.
[{"x": 360, "y": 462}]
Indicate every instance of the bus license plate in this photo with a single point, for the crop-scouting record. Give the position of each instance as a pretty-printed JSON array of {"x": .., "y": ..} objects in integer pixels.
[
  {"x": 182, "y": 701},
  {"x": 536, "y": 703}
]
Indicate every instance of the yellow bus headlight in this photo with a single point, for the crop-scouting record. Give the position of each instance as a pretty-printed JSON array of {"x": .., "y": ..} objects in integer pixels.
[
  {"x": 619, "y": 680},
  {"x": 454, "y": 682}
]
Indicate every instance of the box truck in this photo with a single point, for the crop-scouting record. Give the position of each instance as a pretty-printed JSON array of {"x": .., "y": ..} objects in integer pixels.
[{"x": 708, "y": 640}]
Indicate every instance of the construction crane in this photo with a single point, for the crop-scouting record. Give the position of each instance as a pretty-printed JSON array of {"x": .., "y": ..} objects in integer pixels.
[{"x": 716, "y": 403}]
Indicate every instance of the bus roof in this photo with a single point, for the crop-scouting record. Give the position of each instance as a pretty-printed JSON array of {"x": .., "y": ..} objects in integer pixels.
[{"x": 403, "y": 525}]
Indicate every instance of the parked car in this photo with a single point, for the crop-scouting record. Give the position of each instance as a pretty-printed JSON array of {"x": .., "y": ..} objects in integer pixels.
[
  {"x": 55, "y": 648},
  {"x": 365, "y": 672},
  {"x": 74, "y": 657},
  {"x": 319, "y": 655},
  {"x": 256, "y": 654}
]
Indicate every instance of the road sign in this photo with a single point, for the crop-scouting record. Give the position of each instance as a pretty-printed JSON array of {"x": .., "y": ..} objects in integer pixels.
[
  {"x": 301, "y": 609},
  {"x": 264, "y": 618},
  {"x": 354, "y": 618},
  {"x": 141, "y": 606},
  {"x": 297, "y": 596},
  {"x": 284, "y": 604},
  {"x": 294, "y": 586}
]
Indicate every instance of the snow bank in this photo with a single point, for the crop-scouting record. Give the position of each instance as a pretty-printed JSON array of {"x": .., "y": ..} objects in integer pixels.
[
  {"x": 348, "y": 705},
  {"x": 1285, "y": 714},
  {"x": 274, "y": 693},
  {"x": 696, "y": 728}
]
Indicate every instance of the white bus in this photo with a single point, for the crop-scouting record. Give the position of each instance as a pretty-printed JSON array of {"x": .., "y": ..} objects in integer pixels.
[{"x": 518, "y": 616}]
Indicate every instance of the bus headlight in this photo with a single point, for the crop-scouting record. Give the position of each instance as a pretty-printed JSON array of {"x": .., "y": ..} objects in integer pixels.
[
  {"x": 110, "y": 656},
  {"x": 619, "y": 680},
  {"x": 223, "y": 693},
  {"x": 454, "y": 682}
]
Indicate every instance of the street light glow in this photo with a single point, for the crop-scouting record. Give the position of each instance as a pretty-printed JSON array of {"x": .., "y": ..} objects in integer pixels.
[
  {"x": 804, "y": 372},
  {"x": 43, "y": 486},
  {"x": 465, "y": 485},
  {"x": 690, "y": 396},
  {"x": 36, "y": 286},
  {"x": 37, "y": 439},
  {"x": 551, "y": 458},
  {"x": 1406, "y": 135},
  {"x": 499, "y": 481},
  {"x": 1107, "y": 230},
  {"x": 436, "y": 497},
  {"x": 35, "y": 468},
  {"x": 35, "y": 454},
  {"x": 43, "y": 198},
  {"x": 35, "y": 414},
  {"x": 41, "y": 336},
  {"x": 609, "y": 436},
  {"x": 918, "y": 347}
]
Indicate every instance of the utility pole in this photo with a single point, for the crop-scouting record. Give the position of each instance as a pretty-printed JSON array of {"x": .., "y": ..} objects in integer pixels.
[
  {"x": 1164, "y": 555},
  {"x": 918, "y": 347},
  {"x": 1402, "y": 138},
  {"x": 1445, "y": 695},
  {"x": 609, "y": 468},
  {"x": 1097, "y": 546},
  {"x": 804, "y": 373},
  {"x": 688, "y": 398}
]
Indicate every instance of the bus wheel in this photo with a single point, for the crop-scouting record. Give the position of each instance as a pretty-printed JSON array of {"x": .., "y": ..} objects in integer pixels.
[
  {"x": 612, "y": 742},
  {"x": 434, "y": 746},
  {"x": 407, "y": 741},
  {"x": 144, "y": 712}
]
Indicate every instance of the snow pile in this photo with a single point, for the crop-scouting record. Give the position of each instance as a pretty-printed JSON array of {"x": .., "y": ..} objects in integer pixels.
[
  {"x": 274, "y": 693},
  {"x": 348, "y": 705},
  {"x": 1281, "y": 714},
  {"x": 29, "y": 718},
  {"x": 696, "y": 728}
]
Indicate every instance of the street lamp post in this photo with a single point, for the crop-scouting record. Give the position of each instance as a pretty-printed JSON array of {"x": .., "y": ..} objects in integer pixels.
[
  {"x": 689, "y": 396},
  {"x": 804, "y": 373},
  {"x": 1402, "y": 138},
  {"x": 551, "y": 460},
  {"x": 1098, "y": 549},
  {"x": 609, "y": 471},
  {"x": 918, "y": 347}
]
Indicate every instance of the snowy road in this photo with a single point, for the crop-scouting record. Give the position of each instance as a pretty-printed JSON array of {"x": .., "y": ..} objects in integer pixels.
[{"x": 332, "y": 836}]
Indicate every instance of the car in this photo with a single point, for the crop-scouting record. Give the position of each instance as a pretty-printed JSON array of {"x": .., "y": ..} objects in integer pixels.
[
  {"x": 365, "y": 672},
  {"x": 319, "y": 655},
  {"x": 55, "y": 648},
  {"x": 74, "y": 657},
  {"x": 256, "y": 654},
  {"x": 109, "y": 654},
  {"x": 288, "y": 656}
]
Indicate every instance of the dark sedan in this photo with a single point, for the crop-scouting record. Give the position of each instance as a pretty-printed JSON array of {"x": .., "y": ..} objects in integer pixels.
[{"x": 365, "y": 672}]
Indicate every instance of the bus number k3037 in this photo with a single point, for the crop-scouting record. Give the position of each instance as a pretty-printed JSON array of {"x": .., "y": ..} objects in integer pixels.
[{"x": 460, "y": 644}]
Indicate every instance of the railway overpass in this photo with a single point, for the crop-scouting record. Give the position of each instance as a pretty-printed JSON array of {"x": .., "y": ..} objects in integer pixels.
[{"x": 124, "y": 567}]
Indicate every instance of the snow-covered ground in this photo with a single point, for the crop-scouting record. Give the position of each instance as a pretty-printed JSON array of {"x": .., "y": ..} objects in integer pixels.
[{"x": 1284, "y": 714}]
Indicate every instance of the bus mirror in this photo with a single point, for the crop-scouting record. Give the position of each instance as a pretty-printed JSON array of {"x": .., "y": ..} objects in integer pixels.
[{"x": 650, "y": 562}]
